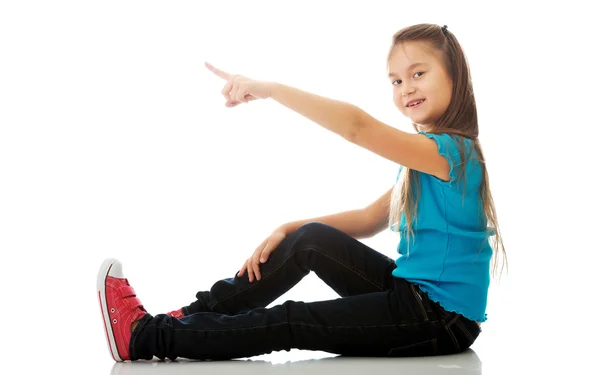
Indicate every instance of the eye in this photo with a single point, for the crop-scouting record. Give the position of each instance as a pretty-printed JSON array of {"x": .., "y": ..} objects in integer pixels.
[{"x": 394, "y": 82}]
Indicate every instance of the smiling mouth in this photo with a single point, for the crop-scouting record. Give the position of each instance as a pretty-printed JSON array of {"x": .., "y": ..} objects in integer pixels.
[{"x": 416, "y": 104}]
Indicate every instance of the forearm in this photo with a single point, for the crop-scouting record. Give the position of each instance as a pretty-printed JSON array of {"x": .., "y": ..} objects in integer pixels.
[
  {"x": 334, "y": 115},
  {"x": 341, "y": 118},
  {"x": 354, "y": 223}
]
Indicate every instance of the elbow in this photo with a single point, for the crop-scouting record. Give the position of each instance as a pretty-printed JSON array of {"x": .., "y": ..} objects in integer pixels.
[{"x": 356, "y": 125}]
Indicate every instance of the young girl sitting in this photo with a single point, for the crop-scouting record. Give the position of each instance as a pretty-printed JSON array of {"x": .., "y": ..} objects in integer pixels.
[{"x": 431, "y": 300}]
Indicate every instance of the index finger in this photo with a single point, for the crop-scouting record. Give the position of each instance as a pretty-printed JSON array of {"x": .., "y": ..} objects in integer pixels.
[{"x": 217, "y": 71}]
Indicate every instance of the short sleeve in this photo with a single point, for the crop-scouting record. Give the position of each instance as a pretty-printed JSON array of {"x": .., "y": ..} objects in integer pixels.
[{"x": 448, "y": 148}]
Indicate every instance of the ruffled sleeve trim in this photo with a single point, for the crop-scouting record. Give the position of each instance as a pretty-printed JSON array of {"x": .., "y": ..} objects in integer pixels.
[{"x": 443, "y": 149}]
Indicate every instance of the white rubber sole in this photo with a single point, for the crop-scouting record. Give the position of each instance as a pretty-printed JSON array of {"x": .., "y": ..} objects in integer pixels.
[{"x": 101, "y": 286}]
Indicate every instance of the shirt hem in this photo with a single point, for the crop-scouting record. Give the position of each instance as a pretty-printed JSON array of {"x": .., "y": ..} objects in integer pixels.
[{"x": 435, "y": 298}]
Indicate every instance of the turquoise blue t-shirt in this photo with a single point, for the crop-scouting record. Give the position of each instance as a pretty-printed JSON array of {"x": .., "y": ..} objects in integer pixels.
[{"x": 449, "y": 254}]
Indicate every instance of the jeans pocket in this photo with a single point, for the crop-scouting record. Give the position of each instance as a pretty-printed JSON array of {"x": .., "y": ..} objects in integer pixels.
[{"x": 419, "y": 349}]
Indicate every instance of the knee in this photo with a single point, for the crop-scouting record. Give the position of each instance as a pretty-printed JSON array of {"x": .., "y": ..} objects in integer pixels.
[
  {"x": 310, "y": 235},
  {"x": 314, "y": 230}
]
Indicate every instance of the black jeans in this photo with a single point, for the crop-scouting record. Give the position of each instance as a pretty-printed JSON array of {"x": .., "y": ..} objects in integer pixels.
[{"x": 377, "y": 314}]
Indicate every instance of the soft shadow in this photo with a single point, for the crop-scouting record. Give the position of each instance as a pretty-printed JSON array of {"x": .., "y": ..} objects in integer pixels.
[{"x": 464, "y": 363}]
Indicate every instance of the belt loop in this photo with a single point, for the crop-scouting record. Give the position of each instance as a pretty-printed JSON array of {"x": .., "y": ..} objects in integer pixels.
[
  {"x": 426, "y": 302},
  {"x": 415, "y": 291},
  {"x": 419, "y": 294}
]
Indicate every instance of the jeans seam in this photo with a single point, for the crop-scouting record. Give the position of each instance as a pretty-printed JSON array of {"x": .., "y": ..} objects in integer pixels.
[
  {"x": 419, "y": 301},
  {"x": 430, "y": 341},
  {"x": 298, "y": 324},
  {"x": 453, "y": 320},
  {"x": 282, "y": 263},
  {"x": 381, "y": 287},
  {"x": 450, "y": 333},
  {"x": 461, "y": 326}
]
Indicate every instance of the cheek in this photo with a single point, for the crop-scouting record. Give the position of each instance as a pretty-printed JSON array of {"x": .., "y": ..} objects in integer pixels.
[
  {"x": 398, "y": 100},
  {"x": 442, "y": 98},
  {"x": 445, "y": 93},
  {"x": 448, "y": 95}
]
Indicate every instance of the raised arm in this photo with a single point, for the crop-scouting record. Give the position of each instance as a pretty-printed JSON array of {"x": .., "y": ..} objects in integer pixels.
[
  {"x": 415, "y": 151},
  {"x": 337, "y": 116}
]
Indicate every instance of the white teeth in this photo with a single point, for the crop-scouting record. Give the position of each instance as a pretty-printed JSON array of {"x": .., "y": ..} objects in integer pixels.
[{"x": 414, "y": 104}]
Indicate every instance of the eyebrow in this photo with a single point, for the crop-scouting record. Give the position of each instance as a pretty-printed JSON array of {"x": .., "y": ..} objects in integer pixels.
[{"x": 409, "y": 68}]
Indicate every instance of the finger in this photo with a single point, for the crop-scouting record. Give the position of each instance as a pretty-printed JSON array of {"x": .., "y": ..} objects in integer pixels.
[
  {"x": 256, "y": 255},
  {"x": 226, "y": 90},
  {"x": 250, "y": 271},
  {"x": 249, "y": 98},
  {"x": 256, "y": 264},
  {"x": 234, "y": 92},
  {"x": 242, "y": 270},
  {"x": 240, "y": 94},
  {"x": 217, "y": 71},
  {"x": 265, "y": 255},
  {"x": 261, "y": 246},
  {"x": 256, "y": 269},
  {"x": 258, "y": 249}
]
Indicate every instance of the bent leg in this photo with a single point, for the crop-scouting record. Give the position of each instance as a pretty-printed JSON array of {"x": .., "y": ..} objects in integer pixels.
[{"x": 344, "y": 263}]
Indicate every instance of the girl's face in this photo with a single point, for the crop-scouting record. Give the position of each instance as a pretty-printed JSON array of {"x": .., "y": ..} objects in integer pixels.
[{"x": 416, "y": 73}]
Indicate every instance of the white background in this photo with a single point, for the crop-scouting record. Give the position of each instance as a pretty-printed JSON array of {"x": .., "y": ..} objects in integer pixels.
[{"x": 115, "y": 142}]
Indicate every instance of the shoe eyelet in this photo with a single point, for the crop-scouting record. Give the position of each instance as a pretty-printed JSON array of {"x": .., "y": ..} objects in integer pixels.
[
  {"x": 112, "y": 310},
  {"x": 115, "y": 321}
]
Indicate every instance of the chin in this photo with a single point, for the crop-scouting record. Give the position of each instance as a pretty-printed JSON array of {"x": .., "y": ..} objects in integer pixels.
[{"x": 420, "y": 121}]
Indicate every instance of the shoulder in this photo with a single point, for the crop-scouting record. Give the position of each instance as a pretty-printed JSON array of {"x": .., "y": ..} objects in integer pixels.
[
  {"x": 458, "y": 151},
  {"x": 451, "y": 144}
]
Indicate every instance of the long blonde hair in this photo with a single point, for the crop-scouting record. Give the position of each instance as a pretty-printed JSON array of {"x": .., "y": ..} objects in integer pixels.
[{"x": 459, "y": 121}]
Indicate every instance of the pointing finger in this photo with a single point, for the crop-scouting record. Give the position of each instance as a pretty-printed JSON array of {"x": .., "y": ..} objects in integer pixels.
[{"x": 217, "y": 71}]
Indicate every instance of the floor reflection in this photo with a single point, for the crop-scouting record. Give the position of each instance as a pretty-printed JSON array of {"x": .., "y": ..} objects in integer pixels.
[{"x": 464, "y": 363}]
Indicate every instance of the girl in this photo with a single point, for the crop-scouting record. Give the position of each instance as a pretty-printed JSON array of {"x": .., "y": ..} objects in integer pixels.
[{"x": 431, "y": 300}]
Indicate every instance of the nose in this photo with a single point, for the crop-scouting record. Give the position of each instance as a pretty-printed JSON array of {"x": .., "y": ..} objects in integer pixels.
[{"x": 407, "y": 90}]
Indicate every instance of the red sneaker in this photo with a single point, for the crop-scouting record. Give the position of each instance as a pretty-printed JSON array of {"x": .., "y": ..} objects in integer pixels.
[
  {"x": 120, "y": 308},
  {"x": 176, "y": 314}
]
